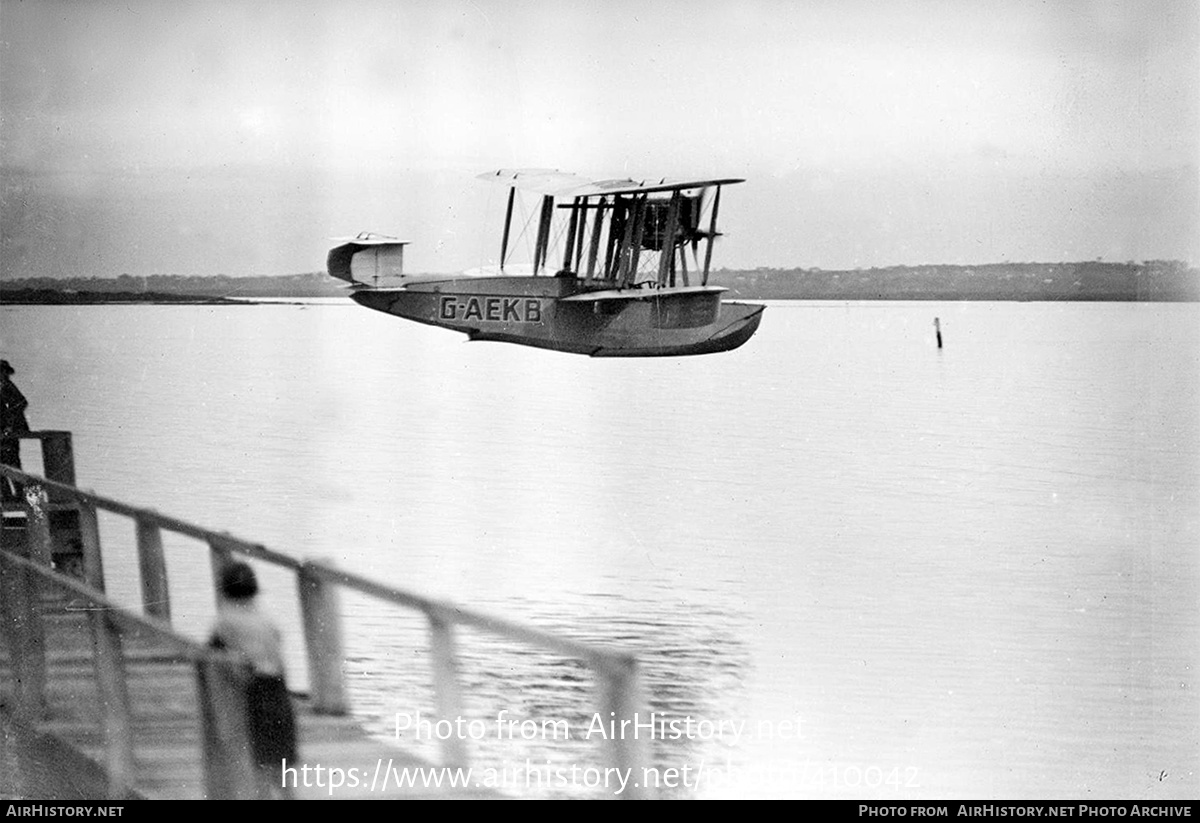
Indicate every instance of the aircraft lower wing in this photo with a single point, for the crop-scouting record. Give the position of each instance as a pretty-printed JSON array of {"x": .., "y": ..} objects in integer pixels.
[{"x": 639, "y": 294}]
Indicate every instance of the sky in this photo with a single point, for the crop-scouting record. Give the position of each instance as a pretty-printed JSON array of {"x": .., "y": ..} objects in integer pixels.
[{"x": 239, "y": 138}]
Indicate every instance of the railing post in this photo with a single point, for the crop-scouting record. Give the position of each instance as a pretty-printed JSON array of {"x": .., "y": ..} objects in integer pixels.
[
  {"x": 323, "y": 641},
  {"x": 446, "y": 688},
  {"x": 37, "y": 525},
  {"x": 21, "y": 613},
  {"x": 58, "y": 457},
  {"x": 620, "y": 700},
  {"x": 89, "y": 537},
  {"x": 156, "y": 595},
  {"x": 220, "y": 556},
  {"x": 114, "y": 701},
  {"x": 230, "y": 772}
]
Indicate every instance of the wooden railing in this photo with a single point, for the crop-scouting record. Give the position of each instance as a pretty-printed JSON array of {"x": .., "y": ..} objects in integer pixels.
[
  {"x": 220, "y": 678},
  {"x": 317, "y": 587}
]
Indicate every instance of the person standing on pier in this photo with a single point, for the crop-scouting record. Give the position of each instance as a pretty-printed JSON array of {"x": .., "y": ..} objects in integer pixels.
[
  {"x": 240, "y": 628},
  {"x": 12, "y": 421}
]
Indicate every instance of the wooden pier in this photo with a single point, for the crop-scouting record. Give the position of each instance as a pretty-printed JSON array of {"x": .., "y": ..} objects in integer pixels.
[{"x": 125, "y": 702}]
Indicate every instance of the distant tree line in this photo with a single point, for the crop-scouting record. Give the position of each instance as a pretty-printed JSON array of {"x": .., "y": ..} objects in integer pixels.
[
  {"x": 1152, "y": 280},
  {"x": 317, "y": 284}
]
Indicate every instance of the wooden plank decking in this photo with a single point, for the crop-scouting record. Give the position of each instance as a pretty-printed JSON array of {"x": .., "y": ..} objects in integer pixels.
[{"x": 168, "y": 762}]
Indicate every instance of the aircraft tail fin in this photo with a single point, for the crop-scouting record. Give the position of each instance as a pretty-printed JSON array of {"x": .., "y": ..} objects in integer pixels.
[{"x": 368, "y": 260}]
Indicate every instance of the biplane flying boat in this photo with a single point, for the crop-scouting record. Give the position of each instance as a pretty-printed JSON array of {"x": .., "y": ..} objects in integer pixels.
[{"x": 624, "y": 287}]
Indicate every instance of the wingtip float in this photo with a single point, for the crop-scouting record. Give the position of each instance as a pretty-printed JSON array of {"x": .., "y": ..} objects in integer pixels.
[{"x": 624, "y": 287}]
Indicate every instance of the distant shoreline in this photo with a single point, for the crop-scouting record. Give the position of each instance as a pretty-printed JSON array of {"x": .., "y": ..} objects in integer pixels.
[
  {"x": 1152, "y": 281},
  {"x": 49, "y": 297},
  {"x": 44, "y": 298}
]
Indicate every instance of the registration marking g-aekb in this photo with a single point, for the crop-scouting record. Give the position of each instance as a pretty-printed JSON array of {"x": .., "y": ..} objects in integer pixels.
[{"x": 493, "y": 309}]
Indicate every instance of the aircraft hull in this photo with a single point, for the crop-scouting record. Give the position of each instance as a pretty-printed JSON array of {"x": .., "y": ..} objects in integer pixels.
[{"x": 538, "y": 311}]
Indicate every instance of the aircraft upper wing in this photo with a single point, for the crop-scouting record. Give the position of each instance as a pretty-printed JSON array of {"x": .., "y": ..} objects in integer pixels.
[
  {"x": 542, "y": 181},
  {"x": 562, "y": 184}
]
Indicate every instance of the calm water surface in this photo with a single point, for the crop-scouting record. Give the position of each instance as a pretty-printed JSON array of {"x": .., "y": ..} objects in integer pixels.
[{"x": 909, "y": 573}]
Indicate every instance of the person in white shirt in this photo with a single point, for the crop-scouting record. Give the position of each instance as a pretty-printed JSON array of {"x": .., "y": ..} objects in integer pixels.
[{"x": 240, "y": 628}]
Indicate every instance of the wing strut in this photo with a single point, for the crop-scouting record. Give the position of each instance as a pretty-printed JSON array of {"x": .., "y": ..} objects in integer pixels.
[
  {"x": 626, "y": 241},
  {"x": 639, "y": 231},
  {"x": 594, "y": 248},
  {"x": 616, "y": 230},
  {"x": 569, "y": 246},
  {"x": 583, "y": 203},
  {"x": 543, "y": 236},
  {"x": 512, "y": 193},
  {"x": 666, "y": 257},
  {"x": 712, "y": 233}
]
